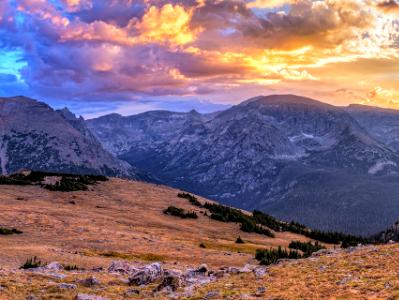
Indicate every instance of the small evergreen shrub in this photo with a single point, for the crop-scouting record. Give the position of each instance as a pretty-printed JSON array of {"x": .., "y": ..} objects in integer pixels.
[
  {"x": 32, "y": 263},
  {"x": 8, "y": 231},
  {"x": 271, "y": 256},
  {"x": 68, "y": 182},
  {"x": 251, "y": 226},
  {"x": 202, "y": 245},
  {"x": 180, "y": 212},
  {"x": 328, "y": 237},
  {"x": 70, "y": 267},
  {"x": 193, "y": 200},
  {"x": 227, "y": 214},
  {"x": 239, "y": 240},
  {"x": 306, "y": 248}
]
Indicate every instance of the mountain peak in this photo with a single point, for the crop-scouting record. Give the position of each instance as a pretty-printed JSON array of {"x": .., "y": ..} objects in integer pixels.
[
  {"x": 284, "y": 99},
  {"x": 67, "y": 114}
]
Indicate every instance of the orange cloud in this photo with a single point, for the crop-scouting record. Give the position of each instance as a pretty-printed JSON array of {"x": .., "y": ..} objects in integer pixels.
[
  {"x": 268, "y": 3},
  {"x": 168, "y": 25},
  {"x": 75, "y": 5}
]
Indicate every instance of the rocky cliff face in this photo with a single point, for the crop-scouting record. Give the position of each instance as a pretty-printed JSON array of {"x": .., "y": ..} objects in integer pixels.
[
  {"x": 294, "y": 157},
  {"x": 34, "y": 136},
  {"x": 382, "y": 124}
]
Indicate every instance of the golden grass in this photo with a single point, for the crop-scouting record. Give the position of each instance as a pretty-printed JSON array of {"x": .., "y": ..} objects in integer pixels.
[{"x": 130, "y": 226}]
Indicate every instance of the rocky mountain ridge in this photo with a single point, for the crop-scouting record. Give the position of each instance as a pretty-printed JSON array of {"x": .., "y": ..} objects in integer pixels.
[
  {"x": 34, "y": 136},
  {"x": 294, "y": 157}
]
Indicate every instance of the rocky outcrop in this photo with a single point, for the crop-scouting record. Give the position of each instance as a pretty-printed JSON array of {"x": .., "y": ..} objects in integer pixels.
[
  {"x": 389, "y": 235},
  {"x": 147, "y": 274}
]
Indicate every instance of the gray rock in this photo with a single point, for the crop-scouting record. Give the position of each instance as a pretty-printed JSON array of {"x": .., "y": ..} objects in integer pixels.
[
  {"x": 260, "y": 291},
  {"x": 54, "y": 266},
  {"x": 132, "y": 292},
  {"x": 67, "y": 286},
  {"x": 260, "y": 272},
  {"x": 236, "y": 270},
  {"x": 89, "y": 297},
  {"x": 120, "y": 266},
  {"x": 212, "y": 295},
  {"x": 90, "y": 281},
  {"x": 147, "y": 274},
  {"x": 172, "y": 280},
  {"x": 198, "y": 276}
]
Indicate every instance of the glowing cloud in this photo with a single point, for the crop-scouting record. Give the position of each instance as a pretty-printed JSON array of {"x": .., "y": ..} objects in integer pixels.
[{"x": 333, "y": 50}]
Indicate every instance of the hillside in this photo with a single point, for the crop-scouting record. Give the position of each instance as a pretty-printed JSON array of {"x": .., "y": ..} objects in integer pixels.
[
  {"x": 113, "y": 220},
  {"x": 361, "y": 273},
  {"x": 290, "y": 156},
  {"x": 105, "y": 234}
]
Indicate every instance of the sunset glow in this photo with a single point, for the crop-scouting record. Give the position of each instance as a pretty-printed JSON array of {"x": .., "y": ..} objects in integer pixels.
[{"x": 124, "y": 54}]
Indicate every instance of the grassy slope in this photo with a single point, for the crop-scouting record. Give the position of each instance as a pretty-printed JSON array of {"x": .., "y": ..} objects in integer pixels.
[
  {"x": 117, "y": 219},
  {"x": 366, "y": 273}
]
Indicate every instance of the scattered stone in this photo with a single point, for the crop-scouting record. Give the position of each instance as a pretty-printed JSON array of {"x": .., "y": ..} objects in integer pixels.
[
  {"x": 260, "y": 272},
  {"x": 172, "y": 280},
  {"x": 54, "y": 266},
  {"x": 212, "y": 294},
  {"x": 147, "y": 274},
  {"x": 388, "y": 285},
  {"x": 219, "y": 274},
  {"x": 198, "y": 276},
  {"x": 235, "y": 270},
  {"x": 123, "y": 267},
  {"x": 67, "y": 286},
  {"x": 260, "y": 291},
  {"x": 90, "y": 281},
  {"x": 322, "y": 268},
  {"x": 98, "y": 269},
  {"x": 324, "y": 252},
  {"x": 132, "y": 292},
  {"x": 89, "y": 297},
  {"x": 347, "y": 279}
]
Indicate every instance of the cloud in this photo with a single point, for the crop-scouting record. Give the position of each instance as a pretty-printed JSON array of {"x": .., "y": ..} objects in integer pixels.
[
  {"x": 389, "y": 5},
  {"x": 165, "y": 25},
  {"x": 91, "y": 50},
  {"x": 268, "y": 3},
  {"x": 77, "y": 5}
]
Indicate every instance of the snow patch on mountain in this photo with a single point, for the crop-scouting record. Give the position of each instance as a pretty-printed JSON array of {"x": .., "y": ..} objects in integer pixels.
[{"x": 380, "y": 165}]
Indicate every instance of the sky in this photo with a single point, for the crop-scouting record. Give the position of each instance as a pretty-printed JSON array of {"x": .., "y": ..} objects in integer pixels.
[{"x": 129, "y": 56}]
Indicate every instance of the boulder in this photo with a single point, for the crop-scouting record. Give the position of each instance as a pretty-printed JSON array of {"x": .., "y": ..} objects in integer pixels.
[
  {"x": 119, "y": 266},
  {"x": 67, "y": 286},
  {"x": 132, "y": 292},
  {"x": 200, "y": 275},
  {"x": 90, "y": 281},
  {"x": 172, "y": 280},
  {"x": 54, "y": 266},
  {"x": 147, "y": 274}
]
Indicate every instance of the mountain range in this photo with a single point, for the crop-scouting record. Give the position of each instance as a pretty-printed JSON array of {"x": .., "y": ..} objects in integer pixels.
[
  {"x": 293, "y": 157},
  {"x": 331, "y": 168}
]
